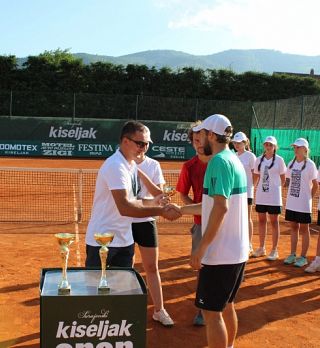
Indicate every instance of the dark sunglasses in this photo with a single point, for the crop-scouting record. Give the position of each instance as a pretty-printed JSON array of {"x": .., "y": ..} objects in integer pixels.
[{"x": 139, "y": 143}]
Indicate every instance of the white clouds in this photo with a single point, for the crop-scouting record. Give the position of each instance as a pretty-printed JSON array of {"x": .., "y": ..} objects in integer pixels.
[{"x": 286, "y": 25}]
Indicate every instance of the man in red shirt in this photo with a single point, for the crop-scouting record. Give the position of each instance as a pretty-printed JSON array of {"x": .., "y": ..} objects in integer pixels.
[{"x": 191, "y": 176}]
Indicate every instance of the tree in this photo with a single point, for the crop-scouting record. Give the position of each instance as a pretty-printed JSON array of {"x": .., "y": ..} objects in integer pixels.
[{"x": 8, "y": 66}]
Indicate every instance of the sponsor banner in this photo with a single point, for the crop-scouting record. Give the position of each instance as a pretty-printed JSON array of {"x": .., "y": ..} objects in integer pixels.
[
  {"x": 85, "y": 319},
  {"x": 56, "y": 149},
  {"x": 85, "y": 150},
  {"x": 25, "y": 136},
  {"x": 19, "y": 148},
  {"x": 95, "y": 150},
  {"x": 176, "y": 152}
]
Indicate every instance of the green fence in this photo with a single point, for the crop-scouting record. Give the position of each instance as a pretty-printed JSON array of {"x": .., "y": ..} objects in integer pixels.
[
  {"x": 60, "y": 137},
  {"x": 285, "y": 138},
  {"x": 34, "y": 124},
  {"x": 287, "y": 120},
  {"x": 294, "y": 113}
]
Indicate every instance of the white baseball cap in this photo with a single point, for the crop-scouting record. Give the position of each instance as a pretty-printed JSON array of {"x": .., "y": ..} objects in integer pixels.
[
  {"x": 215, "y": 123},
  {"x": 239, "y": 137},
  {"x": 147, "y": 130},
  {"x": 301, "y": 142},
  {"x": 270, "y": 139}
]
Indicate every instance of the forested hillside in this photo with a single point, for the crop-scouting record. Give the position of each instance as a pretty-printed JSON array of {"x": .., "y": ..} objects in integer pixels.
[{"x": 59, "y": 71}]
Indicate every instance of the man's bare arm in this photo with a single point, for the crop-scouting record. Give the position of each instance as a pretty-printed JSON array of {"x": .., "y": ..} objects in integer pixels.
[
  {"x": 136, "y": 208},
  {"x": 186, "y": 199},
  {"x": 191, "y": 209},
  {"x": 151, "y": 187},
  {"x": 216, "y": 217}
]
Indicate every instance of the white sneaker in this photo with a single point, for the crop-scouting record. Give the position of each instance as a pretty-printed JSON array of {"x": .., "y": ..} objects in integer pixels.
[
  {"x": 250, "y": 251},
  {"x": 259, "y": 252},
  {"x": 274, "y": 255},
  {"x": 314, "y": 267},
  {"x": 163, "y": 317}
]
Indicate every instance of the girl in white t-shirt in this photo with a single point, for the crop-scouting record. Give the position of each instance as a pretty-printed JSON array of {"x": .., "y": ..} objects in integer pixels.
[
  {"x": 303, "y": 185},
  {"x": 315, "y": 264},
  {"x": 145, "y": 235},
  {"x": 242, "y": 145},
  {"x": 269, "y": 172}
]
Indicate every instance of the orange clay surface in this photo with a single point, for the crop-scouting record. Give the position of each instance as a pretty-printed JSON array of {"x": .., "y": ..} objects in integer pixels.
[{"x": 277, "y": 305}]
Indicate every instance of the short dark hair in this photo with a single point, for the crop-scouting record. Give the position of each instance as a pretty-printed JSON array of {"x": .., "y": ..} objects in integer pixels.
[
  {"x": 130, "y": 128},
  {"x": 226, "y": 137}
]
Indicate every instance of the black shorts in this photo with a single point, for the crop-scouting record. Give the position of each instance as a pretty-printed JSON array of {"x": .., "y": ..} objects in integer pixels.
[
  {"x": 270, "y": 209},
  {"x": 117, "y": 256},
  {"x": 145, "y": 234},
  {"x": 297, "y": 216},
  {"x": 250, "y": 201},
  {"x": 218, "y": 285}
]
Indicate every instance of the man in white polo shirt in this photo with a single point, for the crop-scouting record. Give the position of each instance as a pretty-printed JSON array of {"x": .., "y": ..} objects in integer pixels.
[
  {"x": 223, "y": 250},
  {"x": 115, "y": 201}
]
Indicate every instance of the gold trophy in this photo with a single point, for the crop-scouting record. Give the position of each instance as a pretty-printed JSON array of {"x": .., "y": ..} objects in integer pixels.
[
  {"x": 169, "y": 190},
  {"x": 103, "y": 239},
  {"x": 64, "y": 240}
]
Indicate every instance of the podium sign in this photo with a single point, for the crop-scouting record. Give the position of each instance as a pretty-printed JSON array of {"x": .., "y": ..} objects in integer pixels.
[{"x": 86, "y": 319}]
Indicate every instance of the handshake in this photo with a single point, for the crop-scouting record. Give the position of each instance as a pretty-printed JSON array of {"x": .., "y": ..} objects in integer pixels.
[{"x": 171, "y": 211}]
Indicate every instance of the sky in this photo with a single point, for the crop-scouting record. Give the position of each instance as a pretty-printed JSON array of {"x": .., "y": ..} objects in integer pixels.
[{"x": 120, "y": 27}]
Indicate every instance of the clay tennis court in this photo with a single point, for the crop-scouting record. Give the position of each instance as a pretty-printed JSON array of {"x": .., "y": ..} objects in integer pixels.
[{"x": 278, "y": 306}]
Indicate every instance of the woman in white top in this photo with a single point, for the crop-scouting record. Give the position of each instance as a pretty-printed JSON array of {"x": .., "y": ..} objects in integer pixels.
[
  {"x": 303, "y": 185},
  {"x": 144, "y": 231},
  {"x": 315, "y": 264},
  {"x": 269, "y": 172},
  {"x": 242, "y": 145}
]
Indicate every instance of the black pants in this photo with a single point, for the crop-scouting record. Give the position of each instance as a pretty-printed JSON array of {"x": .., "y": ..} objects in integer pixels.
[{"x": 117, "y": 256}]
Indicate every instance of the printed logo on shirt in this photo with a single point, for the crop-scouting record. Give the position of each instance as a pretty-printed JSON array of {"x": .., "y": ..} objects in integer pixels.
[
  {"x": 134, "y": 184},
  {"x": 295, "y": 183},
  {"x": 139, "y": 188},
  {"x": 265, "y": 180}
]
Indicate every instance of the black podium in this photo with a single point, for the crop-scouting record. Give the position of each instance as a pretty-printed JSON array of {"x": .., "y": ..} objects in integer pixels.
[{"x": 85, "y": 319}]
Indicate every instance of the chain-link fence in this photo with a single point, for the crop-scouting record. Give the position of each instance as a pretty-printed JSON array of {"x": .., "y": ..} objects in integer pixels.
[
  {"x": 294, "y": 113},
  {"x": 104, "y": 106}
]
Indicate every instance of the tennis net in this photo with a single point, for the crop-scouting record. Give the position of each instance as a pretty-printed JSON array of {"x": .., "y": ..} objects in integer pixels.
[
  {"x": 55, "y": 195},
  {"x": 64, "y": 195}
]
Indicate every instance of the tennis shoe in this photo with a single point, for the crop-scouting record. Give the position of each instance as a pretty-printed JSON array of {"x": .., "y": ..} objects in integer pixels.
[
  {"x": 163, "y": 318},
  {"x": 301, "y": 261},
  {"x": 250, "y": 251},
  {"x": 290, "y": 259},
  {"x": 274, "y": 255},
  {"x": 259, "y": 252},
  {"x": 198, "y": 319},
  {"x": 313, "y": 267}
]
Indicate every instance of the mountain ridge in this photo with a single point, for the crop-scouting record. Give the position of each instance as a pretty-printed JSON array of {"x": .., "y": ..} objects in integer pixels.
[{"x": 237, "y": 60}]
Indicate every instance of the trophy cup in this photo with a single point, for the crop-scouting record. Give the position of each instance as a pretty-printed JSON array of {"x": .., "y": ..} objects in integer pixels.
[
  {"x": 64, "y": 240},
  {"x": 169, "y": 190},
  {"x": 103, "y": 239}
]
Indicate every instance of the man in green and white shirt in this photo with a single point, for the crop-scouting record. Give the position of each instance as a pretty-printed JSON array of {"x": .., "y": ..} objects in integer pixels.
[
  {"x": 224, "y": 248},
  {"x": 224, "y": 177}
]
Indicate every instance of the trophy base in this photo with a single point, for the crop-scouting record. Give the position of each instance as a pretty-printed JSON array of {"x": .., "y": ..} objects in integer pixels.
[
  {"x": 64, "y": 291},
  {"x": 103, "y": 290}
]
